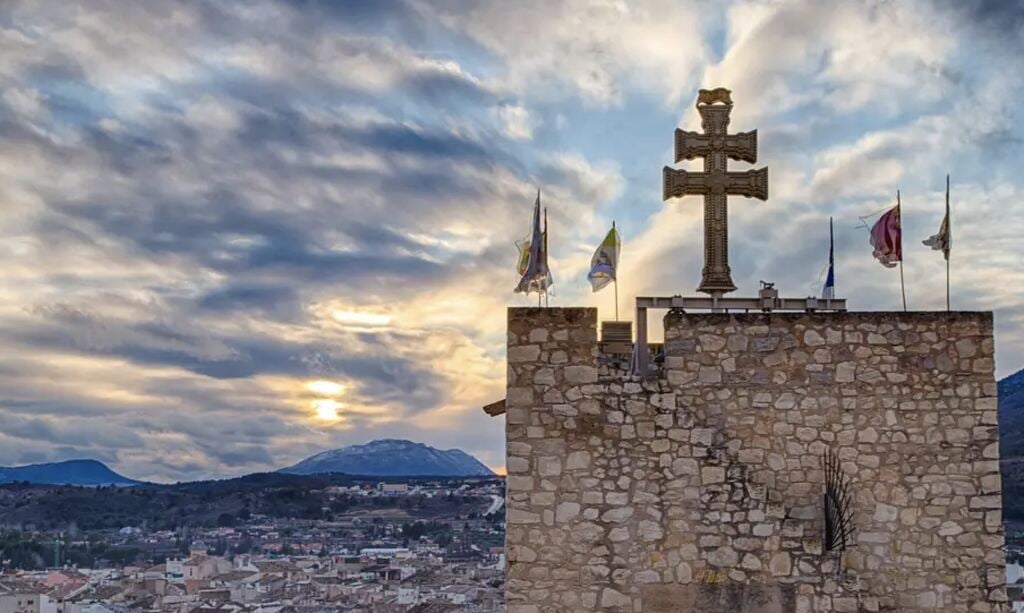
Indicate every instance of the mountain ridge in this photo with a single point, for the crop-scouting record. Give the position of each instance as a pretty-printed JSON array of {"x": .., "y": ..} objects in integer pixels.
[
  {"x": 377, "y": 458},
  {"x": 87, "y": 472},
  {"x": 1011, "y": 415},
  {"x": 392, "y": 458}
]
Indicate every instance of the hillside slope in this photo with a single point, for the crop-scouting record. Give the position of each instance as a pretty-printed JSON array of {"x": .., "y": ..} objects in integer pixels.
[
  {"x": 392, "y": 457},
  {"x": 1011, "y": 444},
  {"x": 70, "y": 472}
]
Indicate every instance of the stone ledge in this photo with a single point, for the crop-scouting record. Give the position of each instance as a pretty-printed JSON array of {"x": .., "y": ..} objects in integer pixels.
[
  {"x": 569, "y": 315},
  {"x": 984, "y": 317}
]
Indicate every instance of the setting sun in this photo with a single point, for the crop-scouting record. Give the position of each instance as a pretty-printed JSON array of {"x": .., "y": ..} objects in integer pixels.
[
  {"x": 325, "y": 388},
  {"x": 327, "y": 409}
]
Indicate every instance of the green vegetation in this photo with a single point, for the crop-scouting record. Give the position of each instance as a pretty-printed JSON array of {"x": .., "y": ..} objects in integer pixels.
[
  {"x": 225, "y": 503},
  {"x": 37, "y": 552}
]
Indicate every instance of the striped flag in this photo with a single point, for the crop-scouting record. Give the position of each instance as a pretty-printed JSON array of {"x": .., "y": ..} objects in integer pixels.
[
  {"x": 605, "y": 262},
  {"x": 828, "y": 292},
  {"x": 887, "y": 238}
]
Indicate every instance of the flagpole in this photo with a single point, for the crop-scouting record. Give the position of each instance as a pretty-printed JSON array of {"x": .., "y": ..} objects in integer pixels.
[
  {"x": 616, "y": 300},
  {"x": 903, "y": 286},
  {"x": 545, "y": 253},
  {"x": 616, "y": 280},
  {"x": 947, "y": 284},
  {"x": 949, "y": 238},
  {"x": 831, "y": 275}
]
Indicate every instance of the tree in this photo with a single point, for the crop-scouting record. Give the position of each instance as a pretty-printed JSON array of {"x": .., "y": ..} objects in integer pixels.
[
  {"x": 244, "y": 545},
  {"x": 414, "y": 531}
]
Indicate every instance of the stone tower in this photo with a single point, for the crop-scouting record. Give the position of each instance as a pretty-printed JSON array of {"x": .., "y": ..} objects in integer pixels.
[{"x": 700, "y": 488}]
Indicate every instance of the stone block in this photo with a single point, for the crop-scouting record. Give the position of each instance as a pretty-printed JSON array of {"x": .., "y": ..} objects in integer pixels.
[
  {"x": 577, "y": 460},
  {"x": 549, "y": 466},
  {"x": 781, "y": 565},
  {"x": 581, "y": 374},
  {"x": 523, "y": 353},
  {"x": 566, "y": 511},
  {"x": 813, "y": 338}
]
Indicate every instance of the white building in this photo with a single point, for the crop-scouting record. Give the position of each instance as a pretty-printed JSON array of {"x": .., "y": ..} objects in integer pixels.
[
  {"x": 20, "y": 597},
  {"x": 1015, "y": 586}
]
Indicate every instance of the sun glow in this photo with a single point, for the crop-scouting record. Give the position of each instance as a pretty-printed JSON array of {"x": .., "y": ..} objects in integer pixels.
[
  {"x": 327, "y": 409},
  {"x": 325, "y": 388},
  {"x": 362, "y": 319}
]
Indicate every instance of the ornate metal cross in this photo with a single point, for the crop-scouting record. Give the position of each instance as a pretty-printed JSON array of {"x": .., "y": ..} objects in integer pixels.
[{"x": 716, "y": 183}]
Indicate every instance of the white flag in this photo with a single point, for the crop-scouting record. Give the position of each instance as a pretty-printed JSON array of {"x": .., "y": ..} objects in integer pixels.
[{"x": 943, "y": 240}]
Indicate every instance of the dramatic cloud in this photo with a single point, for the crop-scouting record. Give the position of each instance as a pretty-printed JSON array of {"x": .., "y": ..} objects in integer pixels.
[
  {"x": 235, "y": 234},
  {"x": 597, "y": 50}
]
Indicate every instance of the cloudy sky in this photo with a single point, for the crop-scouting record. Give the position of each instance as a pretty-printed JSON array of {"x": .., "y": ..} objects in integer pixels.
[{"x": 233, "y": 234}]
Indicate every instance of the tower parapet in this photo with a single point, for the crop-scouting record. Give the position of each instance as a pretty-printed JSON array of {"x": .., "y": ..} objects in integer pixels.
[{"x": 702, "y": 488}]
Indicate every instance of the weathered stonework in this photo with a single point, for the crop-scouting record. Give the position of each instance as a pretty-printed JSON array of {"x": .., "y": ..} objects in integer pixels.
[{"x": 702, "y": 489}]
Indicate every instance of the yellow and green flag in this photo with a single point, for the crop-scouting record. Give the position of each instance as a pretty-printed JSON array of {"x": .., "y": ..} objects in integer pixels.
[{"x": 605, "y": 263}]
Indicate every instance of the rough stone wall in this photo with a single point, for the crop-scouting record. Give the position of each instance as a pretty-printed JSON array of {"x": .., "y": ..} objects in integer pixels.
[{"x": 702, "y": 489}]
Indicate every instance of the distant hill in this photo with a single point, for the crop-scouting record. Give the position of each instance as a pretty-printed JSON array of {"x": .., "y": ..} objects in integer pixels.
[
  {"x": 392, "y": 458},
  {"x": 70, "y": 472},
  {"x": 1011, "y": 444},
  {"x": 1011, "y": 416},
  {"x": 222, "y": 502}
]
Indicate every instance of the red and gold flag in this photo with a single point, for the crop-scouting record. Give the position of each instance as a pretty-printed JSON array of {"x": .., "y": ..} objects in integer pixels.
[{"x": 887, "y": 238}]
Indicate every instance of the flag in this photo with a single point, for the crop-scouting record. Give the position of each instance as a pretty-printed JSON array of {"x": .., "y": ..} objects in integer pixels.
[
  {"x": 886, "y": 238},
  {"x": 523, "y": 245},
  {"x": 944, "y": 239},
  {"x": 828, "y": 292},
  {"x": 605, "y": 261},
  {"x": 548, "y": 279},
  {"x": 524, "y": 255},
  {"x": 533, "y": 258}
]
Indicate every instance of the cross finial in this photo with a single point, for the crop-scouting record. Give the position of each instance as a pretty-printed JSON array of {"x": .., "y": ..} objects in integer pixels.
[
  {"x": 711, "y": 96},
  {"x": 716, "y": 146}
]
